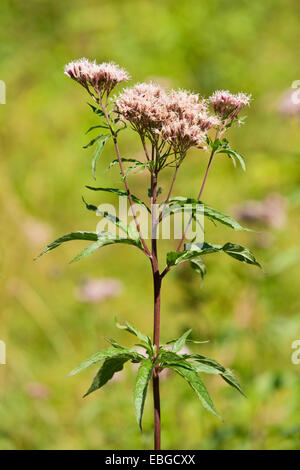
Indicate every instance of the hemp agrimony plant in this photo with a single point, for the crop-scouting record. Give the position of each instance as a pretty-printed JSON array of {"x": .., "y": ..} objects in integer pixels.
[{"x": 168, "y": 124}]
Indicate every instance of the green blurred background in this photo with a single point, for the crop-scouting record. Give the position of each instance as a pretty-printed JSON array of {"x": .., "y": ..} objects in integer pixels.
[{"x": 250, "y": 317}]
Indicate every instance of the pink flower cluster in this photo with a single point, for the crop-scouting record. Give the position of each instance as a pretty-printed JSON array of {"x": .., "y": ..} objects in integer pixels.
[
  {"x": 179, "y": 118},
  {"x": 103, "y": 78},
  {"x": 225, "y": 103}
]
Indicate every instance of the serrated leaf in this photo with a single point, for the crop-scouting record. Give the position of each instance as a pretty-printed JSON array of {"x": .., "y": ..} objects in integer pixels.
[
  {"x": 231, "y": 379},
  {"x": 100, "y": 146},
  {"x": 101, "y": 356},
  {"x": 105, "y": 240},
  {"x": 120, "y": 192},
  {"x": 193, "y": 379},
  {"x": 140, "y": 388},
  {"x": 236, "y": 251},
  {"x": 106, "y": 372},
  {"x": 180, "y": 342},
  {"x": 80, "y": 235},
  {"x": 181, "y": 204},
  {"x": 92, "y": 142},
  {"x": 123, "y": 160}
]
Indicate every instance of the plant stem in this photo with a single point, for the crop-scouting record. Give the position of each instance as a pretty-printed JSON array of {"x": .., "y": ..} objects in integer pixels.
[
  {"x": 124, "y": 178},
  {"x": 157, "y": 295}
]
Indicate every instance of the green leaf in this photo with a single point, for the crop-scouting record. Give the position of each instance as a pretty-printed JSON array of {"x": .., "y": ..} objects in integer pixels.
[
  {"x": 193, "y": 379},
  {"x": 198, "y": 265},
  {"x": 231, "y": 379},
  {"x": 140, "y": 166},
  {"x": 204, "y": 368},
  {"x": 96, "y": 127},
  {"x": 100, "y": 146},
  {"x": 208, "y": 365},
  {"x": 80, "y": 235},
  {"x": 208, "y": 211},
  {"x": 231, "y": 154},
  {"x": 140, "y": 388},
  {"x": 180, "y": 342},
  {"x": 134, "y": 331},
  {"x": 102, "y": 355},
  {"x": 123, "y": 160},
  {"x": 120, "y": 192},
  {"x": 97, "y": 111},
  {"x": 92, "y": 142},
  {"x": 236, "y": 251},
  {"x": 240, "y": 253},
  {"x": 204, "y": 360},
  {"x": 106, "y": 372},
  {"x": 115, "y": 344},
  {"x": 104, "y": 240}
]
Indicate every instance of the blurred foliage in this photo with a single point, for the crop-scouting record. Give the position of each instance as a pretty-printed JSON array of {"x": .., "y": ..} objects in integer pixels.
[{"x": 250, "y": 317}]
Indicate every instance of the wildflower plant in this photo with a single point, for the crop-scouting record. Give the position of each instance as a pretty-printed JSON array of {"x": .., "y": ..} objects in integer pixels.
[{"x": 168, "y": 124}]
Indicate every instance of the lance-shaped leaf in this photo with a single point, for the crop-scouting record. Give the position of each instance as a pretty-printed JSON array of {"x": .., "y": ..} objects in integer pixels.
[
  {"x": 178, "y": 204},
  {"x": 180, "y": 342},
  {"x": 120, "y": 192},
  {"x": 100, "y": 146},
  {"x": 193, "y": 379},
  {"x": 106, "y": 354},
  {"x": 100, "y": 239},
  {"x": 208, "y": 365},
  {"x": 80, "y": 235},
  {"x": 231, "y": 379},
  {"x": 240, "y": 253},
  {"x": 107, "y": 371},
  {"x": 140, "y": 388},
  {"x": 232, "y": 249},
  {"x": 123, "y": 160},
  {"x": 105, "y": 240}
]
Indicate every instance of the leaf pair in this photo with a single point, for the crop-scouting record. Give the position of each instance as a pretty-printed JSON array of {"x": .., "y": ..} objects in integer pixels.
[{"x": 187, "y": 366}]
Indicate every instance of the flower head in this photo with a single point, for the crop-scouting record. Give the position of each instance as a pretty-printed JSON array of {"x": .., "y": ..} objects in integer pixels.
[
  {"x": 180, "y": 118},
  {"x": 143, "y": 105},
  {"x": 187, "y": 121},
  {"x": 103, "y": 78},
  {"x": 225, "y": 103}
]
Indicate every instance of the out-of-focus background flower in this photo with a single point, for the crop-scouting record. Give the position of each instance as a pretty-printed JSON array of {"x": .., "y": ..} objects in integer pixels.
[{"x": 54, "y": 315}]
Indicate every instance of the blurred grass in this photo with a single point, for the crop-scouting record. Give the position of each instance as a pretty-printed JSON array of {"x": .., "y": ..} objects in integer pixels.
[{"x": 251, "y": 318}]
